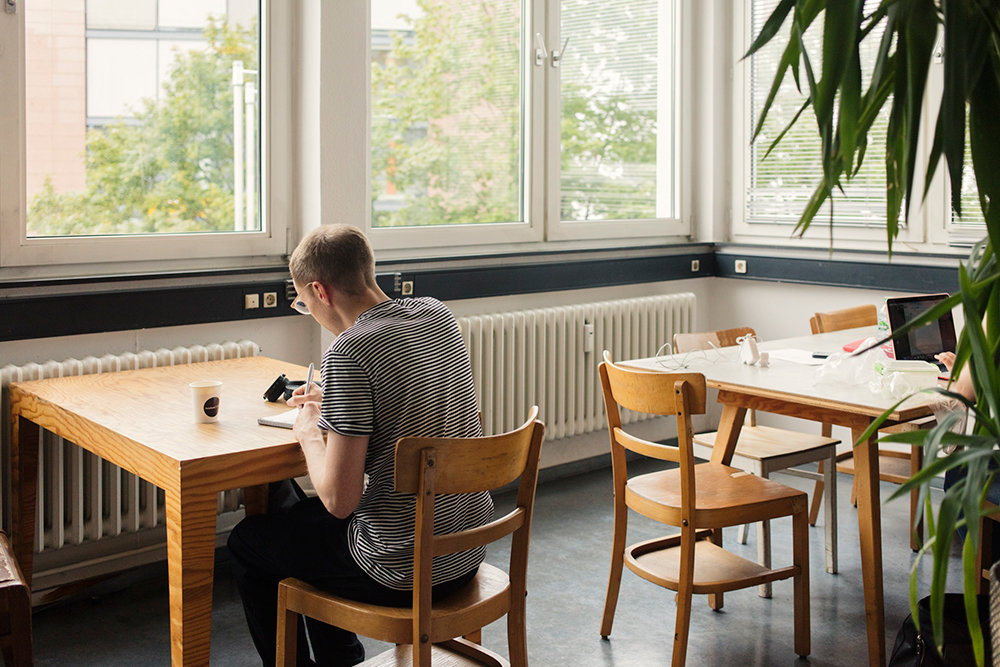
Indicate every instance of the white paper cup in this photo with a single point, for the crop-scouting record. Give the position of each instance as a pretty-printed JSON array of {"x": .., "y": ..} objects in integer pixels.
[{"x": 206, "y": 400}]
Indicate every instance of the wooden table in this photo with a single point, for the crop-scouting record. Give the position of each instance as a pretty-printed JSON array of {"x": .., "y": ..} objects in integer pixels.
[
  {"x": 143, "y": 421},
  {"x": 796, "y": 390}
]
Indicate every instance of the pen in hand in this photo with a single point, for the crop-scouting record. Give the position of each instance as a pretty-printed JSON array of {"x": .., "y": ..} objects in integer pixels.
[{"x": 309, "y": 380}]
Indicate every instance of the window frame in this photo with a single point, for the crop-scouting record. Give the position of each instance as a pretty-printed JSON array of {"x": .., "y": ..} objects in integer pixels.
[
  {"x": 18, "y": 253},
  {"x": 541, "y": 149}
]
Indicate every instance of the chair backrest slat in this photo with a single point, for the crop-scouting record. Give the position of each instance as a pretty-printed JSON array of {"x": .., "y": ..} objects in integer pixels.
[
  {"x": 645, "y": 447},
  {"x": 492, "y": 462},
  {"x": 477, "y": 537},
  {"x": 847, "y": 318},
  {"x": 642, "y": 391}
]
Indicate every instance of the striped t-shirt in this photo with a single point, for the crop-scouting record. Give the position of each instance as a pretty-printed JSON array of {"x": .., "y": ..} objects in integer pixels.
[{"x": 402, "y": 370}]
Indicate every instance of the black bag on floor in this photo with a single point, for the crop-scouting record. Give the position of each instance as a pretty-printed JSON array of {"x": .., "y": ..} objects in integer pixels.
[{"x": 914, "y": 648}]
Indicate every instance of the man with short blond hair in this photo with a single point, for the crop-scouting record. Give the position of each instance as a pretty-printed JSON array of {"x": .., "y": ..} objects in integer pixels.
[{"x": 396, "y": 368}]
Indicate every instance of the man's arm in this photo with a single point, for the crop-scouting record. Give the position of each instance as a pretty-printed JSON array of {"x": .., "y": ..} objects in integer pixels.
[{"x": 336, "y": 462}]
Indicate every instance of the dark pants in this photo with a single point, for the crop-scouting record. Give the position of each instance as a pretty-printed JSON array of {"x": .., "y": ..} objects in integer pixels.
[{"x": 301, "y": 539}]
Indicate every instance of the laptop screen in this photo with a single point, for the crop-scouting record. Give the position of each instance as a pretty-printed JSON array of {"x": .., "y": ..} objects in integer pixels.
[{"x": 926, "y": 341}]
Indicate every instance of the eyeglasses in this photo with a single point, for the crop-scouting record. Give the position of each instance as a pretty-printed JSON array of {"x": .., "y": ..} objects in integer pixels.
[{"x": 299, "y": 305}]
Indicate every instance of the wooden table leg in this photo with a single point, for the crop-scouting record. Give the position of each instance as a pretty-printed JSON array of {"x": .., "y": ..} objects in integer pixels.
[
  {"x": 190, "y": 563},
  {"x": 24, "y": 469},
  {"x": 870, "y": 533},
  {"x": 730, "y": 424}
]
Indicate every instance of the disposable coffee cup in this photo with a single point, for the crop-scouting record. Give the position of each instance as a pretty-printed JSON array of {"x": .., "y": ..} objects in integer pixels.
[{"x": 206, "y": 400}]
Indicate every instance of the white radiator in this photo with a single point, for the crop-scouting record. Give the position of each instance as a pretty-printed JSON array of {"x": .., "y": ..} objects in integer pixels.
[
  {"x": 83, "y": 500},
  {"x": 549, "y": 357}
]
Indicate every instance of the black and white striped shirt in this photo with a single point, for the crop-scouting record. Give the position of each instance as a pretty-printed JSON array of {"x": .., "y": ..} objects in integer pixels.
[{"x": 402, "y": 370}]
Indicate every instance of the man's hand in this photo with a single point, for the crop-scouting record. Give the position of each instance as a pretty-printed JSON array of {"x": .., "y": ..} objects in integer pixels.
[{"x": 308, "y": 403}]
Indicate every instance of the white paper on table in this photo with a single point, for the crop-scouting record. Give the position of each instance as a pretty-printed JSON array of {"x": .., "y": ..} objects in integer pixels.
[{"x": 795, "y": 356}]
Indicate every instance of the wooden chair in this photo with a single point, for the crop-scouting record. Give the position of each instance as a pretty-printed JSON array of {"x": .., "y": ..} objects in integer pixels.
[
  {"x": 425, "y": 467},
  {"x": 700, "y": 499},
  {"x": 15, "y": 609},
  {"x": 764, "y": 450},
  {"x": 985, "y": 557},
  {"x": 894, "y": 466}
]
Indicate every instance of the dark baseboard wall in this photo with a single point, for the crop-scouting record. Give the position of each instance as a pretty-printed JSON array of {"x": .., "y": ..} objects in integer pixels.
[{"x": 41, "y": 309}]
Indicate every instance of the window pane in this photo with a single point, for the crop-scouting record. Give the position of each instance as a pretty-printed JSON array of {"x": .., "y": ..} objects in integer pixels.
[
  {"x": 781, "y": 184},
  {"x": 617, "y": 92},
  {"x": 121, "y": 14},
  {"x": 446, "y": 127},
  {"x": 136, "y": 132},
  {"x": 971, "y": 226}
]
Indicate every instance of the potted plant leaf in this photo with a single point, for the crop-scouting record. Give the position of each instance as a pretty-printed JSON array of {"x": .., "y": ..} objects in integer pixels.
[{"x": 910, "y": 35}]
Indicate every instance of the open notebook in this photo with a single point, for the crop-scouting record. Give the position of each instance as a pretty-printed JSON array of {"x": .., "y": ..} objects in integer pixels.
[{"x": 281, "y": 420}]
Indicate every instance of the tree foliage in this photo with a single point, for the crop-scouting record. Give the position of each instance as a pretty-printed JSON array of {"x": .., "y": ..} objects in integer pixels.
[{"x": 168, "y": 169}]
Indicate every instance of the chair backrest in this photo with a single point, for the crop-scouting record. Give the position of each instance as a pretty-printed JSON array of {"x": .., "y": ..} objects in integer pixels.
[
  {"x": 430, "y": 466},
  {"x": 847, "y": 318},
  {"x": 706, "y": 340},
  {"x": 656, "y": 393}
]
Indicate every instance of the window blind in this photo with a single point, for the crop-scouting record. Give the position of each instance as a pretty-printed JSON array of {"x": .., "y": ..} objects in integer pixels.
[{"x": 779, "y": 186}]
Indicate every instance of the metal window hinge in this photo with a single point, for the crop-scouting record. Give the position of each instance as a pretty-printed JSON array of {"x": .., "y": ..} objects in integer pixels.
[{"x": 10, "y": 6}]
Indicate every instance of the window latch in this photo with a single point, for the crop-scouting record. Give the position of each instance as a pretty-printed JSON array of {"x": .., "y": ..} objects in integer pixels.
[
  {"x": 557, "y": 56},
  {"x": 10, "y": 6}
]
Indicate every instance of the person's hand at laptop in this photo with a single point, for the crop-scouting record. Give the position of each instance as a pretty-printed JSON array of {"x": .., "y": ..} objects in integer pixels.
[{"x": 963, "y": 385}]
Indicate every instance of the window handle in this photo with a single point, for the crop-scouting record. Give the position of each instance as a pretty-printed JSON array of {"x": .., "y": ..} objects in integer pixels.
[
  {"x": 557, "y": 56},
  {"x": 541, "y": 53}
]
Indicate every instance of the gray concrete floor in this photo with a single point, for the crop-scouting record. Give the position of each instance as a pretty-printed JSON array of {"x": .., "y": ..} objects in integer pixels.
[{"x": 127, "y": 623}]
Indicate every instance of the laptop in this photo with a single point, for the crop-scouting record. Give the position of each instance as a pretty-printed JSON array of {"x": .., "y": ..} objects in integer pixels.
[{"x": 926, "y": 341}]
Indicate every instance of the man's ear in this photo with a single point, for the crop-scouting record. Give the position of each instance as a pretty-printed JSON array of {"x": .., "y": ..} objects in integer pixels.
[{"x": 323, "y": 293}]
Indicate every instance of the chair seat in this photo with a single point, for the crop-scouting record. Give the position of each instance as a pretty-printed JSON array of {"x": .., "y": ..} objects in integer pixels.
[
  {"x": 478, "y": 603},
  {"x": 726, "y": 496},
  {"x": 761, "y": 443},
  {"x": 449, "y": 654}
]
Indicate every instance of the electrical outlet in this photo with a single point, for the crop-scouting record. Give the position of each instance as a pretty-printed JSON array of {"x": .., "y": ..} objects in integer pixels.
[
  {"x": 695, "y": 265},
  {"x": 407, "y": 288},
  {"x": 740, "y": 266},
  {"x": 251, "y": 301},
  {"x": 270, "y": 299}
]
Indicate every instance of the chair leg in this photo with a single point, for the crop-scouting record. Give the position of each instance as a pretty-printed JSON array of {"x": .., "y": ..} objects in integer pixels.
[
  {"x": 685, "y": 586},
  {"x": 286, "y": 649},
  {"x": 818, "y": 494},
  {"x": 517, "y": 633},
  {"x": 20, "y": 626},
  {"x": 764, "y": 554},
  {"x": 617, "y": 562},
  {"x": 916, "y": 531},
  {"x": 800, "y": 555},
  {"x": 830, "y": 482},
  {"x": 984, "y": 555},
  {"x": 741, "y": 536},
  {"x": 715, "y": 600},
  {"x": 476, "y": 636}
]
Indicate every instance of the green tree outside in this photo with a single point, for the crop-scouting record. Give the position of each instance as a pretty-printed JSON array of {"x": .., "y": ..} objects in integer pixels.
[{"x": 170, "y": 168}]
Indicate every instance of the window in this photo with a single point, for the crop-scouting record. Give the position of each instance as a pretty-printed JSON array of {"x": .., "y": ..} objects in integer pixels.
[
  {"x": 145, "y": 129},
  {"x": 502, "y": 121},
  {"x": 773, "y": 189},
  {"x": 970, "y": 227}
]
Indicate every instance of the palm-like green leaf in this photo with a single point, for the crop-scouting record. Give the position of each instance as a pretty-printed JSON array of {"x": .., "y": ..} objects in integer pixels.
[{"x": 845, "y": 112}]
